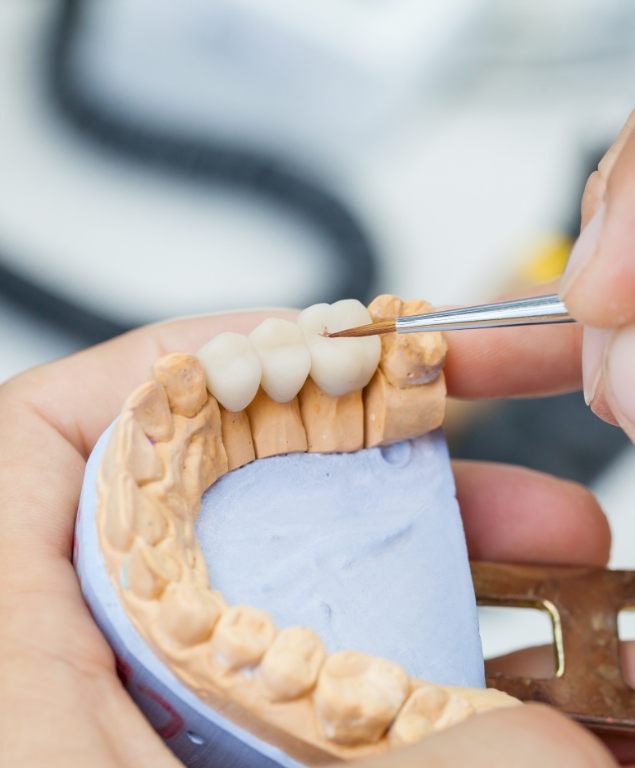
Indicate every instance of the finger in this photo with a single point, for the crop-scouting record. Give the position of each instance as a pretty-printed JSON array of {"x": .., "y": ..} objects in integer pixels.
[
  {"x": 512, "y": 514},
  {"x": 599, "y": 282},
  {"x": 522, "y": 737},
  {"x": 594, "y": 346},
  {"x": 54, "y": 711},
  {"x": 592, "y": 197},
  {"x": 81, "y": 394},
  {"x": 595, "y": 189},
  {"x": 611, "y": 156},
  {"x": 622, "y": 748},
  {"x": 514, "y": 362},
  {"x": 618, "y": 378},
  {"x": 538, "y": 663}
]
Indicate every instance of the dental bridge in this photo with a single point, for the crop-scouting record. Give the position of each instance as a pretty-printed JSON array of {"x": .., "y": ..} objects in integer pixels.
[{"x": 283, "y": 389}]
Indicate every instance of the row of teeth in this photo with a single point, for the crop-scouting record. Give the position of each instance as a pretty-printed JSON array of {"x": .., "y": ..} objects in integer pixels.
[
  {"x": 280, "y": 355},
  {"x": 358, "y": 699},
  {"x": 149, "y": 495}
]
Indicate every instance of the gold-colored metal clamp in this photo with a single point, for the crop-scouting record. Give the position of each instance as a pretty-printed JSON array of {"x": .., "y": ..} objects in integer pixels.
[{"x": 583, "y": 604}]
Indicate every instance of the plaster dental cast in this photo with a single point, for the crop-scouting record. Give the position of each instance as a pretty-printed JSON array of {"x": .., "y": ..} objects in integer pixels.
[
  {"x": 62, "y": 702},
  {"x": 286, "y": 389}
]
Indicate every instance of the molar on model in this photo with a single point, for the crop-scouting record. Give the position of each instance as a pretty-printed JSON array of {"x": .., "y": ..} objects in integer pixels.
[
  {"x": 183, "y": 378},
  {"x": 151, "y": 409},
  {"x": 130, "y": 444},
  {"x": 147, "y": 571},
  {"x": 241, "y": 637},
  {"x": 232, "y": 369},
  {"x": 408, "y": 359},
  {"x": 418, "y": 715},
  {"x": 291, "y": 665},
  {"x": 188, "y": 614},
  {"x": 119, "y": 520},
  {"x": 358, "y": 696},
  {"x": 432, "y": 708},
  {"x": 339, "y": 366}
]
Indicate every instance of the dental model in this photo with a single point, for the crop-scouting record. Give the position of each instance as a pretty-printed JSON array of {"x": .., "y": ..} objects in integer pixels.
[{"x": 283, "y": 389}]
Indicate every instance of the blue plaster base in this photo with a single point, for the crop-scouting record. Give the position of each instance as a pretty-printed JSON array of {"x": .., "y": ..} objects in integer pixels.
[{"x": 367, "y": 548}]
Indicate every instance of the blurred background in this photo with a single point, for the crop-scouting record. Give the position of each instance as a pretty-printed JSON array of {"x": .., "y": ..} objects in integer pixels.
[{"x": 159, "y": 159}]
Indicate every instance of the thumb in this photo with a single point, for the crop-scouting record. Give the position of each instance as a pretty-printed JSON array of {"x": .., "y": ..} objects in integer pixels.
[
  {"x": 520, "y": 736},
  {"x": 598, "y": 285}
]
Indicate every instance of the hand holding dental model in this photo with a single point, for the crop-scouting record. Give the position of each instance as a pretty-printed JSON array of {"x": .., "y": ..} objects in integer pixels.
[
  {"x": 61, "y": 702},
  {"x": 61, "y": 696}
]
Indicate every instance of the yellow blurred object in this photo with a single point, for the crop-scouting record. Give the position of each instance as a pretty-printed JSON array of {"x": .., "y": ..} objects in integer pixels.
[{"x": 547, "y": 259}]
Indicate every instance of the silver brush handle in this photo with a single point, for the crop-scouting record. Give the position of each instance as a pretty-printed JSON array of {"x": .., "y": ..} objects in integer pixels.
[{"x": 539, "y": 310}]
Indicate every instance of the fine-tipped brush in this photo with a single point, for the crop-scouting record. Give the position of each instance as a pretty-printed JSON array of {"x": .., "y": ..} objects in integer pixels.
[{"x": 539, "y": 310}]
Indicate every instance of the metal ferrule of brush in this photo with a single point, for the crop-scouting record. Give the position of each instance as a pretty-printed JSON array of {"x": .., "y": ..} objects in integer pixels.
[{"x": 534, "y": 311}]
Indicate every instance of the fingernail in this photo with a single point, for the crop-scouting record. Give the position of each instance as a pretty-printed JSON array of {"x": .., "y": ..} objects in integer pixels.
[
  {"x": 600, "y": 405},
  {"x": 583, "y": 251},
  {"x": 593, "y": 345},
  {"x": 620, "y": 375}
]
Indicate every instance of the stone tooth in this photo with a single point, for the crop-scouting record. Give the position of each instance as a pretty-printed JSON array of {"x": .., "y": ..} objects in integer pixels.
[
  {"x": 237, "y": 438},
  {"x": 392, "y": 414},
  {"x": 291, "y": 665},
  {"x": 188, "y": 613},
  {"x": 418, "y": 715},
  {"x": 183, "y": 378},
  {"x": 408, "y": 359},
  {"x": 130, "y": 510},
  {"x": 483, "y": 699},
  {"x": 457, "y": 708},
  {"x": 241, "y": 637},
  {"x": 332, "y": 424},
  {"x": 358, "y": 696},
  {"x": 150, "y": 408},
  {"x": 118, "y": 515},
  {"x": 129, "y": 447},
  {"x": 150, "y": 521},
  {"x": 276, "y": 428},
  {"x": 147, "y": 571}
]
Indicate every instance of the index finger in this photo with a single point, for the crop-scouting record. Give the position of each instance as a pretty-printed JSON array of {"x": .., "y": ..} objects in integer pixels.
[
  {"x": 81, "y": 394},
  {"x": 514, "y": 362}
]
